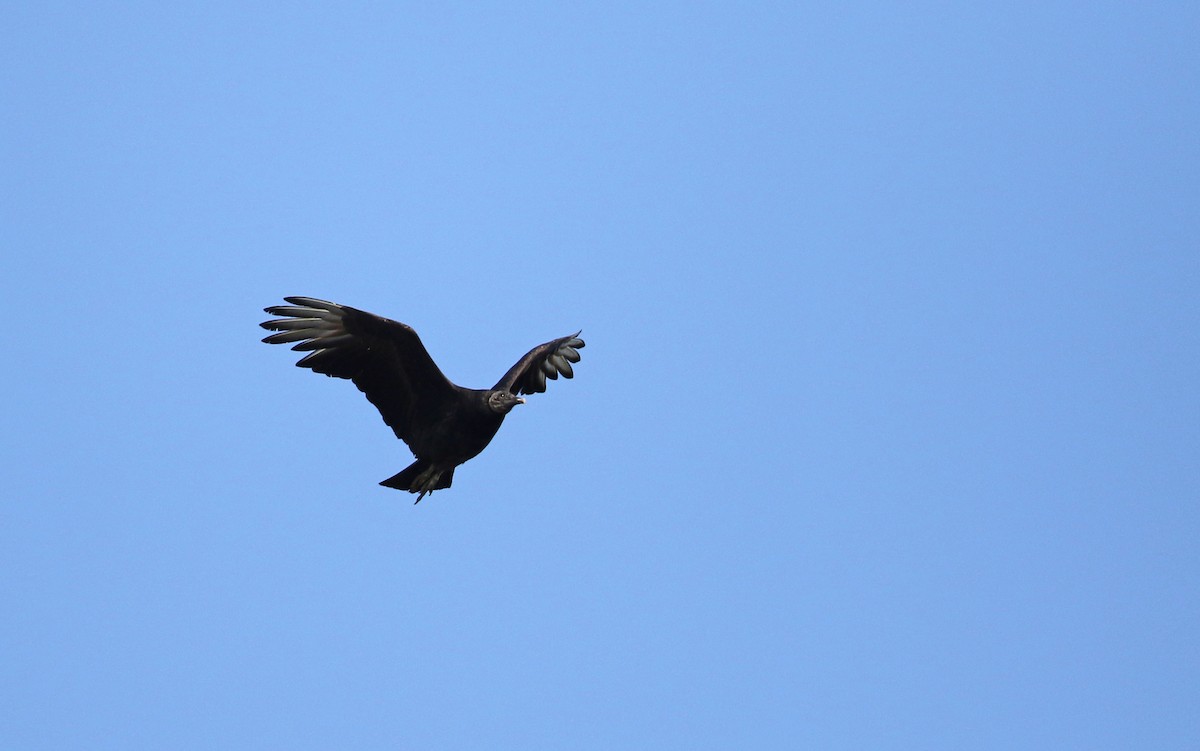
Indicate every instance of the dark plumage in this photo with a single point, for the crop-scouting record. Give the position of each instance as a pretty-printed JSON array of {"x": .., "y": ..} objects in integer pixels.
[{"x": 443, "y": 424}]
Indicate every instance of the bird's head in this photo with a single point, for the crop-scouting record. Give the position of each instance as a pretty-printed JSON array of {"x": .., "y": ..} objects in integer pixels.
[{"x": 502, "y": 402}]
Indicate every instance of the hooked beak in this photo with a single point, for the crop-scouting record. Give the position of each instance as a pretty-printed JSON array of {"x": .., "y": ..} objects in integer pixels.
[{"x": 520, "y": 400}]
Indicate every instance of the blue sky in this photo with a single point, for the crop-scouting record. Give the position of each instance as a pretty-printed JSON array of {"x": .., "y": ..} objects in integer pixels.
[{"x": 885, "y": 436}]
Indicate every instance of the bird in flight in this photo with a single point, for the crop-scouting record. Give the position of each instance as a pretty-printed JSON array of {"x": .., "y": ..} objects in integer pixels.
[{"x": 444, "y": 424}]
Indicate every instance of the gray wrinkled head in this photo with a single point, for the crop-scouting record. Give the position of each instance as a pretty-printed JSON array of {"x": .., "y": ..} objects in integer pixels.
[{"x": 502, "y": 402}]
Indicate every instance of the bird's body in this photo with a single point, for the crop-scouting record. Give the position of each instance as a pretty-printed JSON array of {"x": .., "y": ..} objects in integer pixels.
[
  {"x": 461, "y": 431},
  {"x": 443, "y": 424}
]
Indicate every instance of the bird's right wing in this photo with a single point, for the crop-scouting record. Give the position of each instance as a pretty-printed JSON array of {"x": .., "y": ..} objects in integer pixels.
[
  {"x": 384, "y": 358},
  {"x": 544, "y": 361}
]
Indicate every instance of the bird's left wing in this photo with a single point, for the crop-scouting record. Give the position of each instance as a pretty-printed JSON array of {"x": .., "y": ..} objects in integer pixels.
[
  {"x": 384, "y": 358},
  {"x": 549, "y": 360}
]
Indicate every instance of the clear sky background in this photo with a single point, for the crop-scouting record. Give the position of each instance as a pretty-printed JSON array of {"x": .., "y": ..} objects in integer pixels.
[{"x": 886, "y": 435}]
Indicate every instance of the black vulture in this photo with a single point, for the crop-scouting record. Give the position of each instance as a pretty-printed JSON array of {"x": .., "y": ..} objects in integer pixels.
[{"x": 443, "y": 424}]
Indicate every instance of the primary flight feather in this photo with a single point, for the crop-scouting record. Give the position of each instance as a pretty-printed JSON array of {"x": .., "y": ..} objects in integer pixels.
[{"x": 444, "y": 424}]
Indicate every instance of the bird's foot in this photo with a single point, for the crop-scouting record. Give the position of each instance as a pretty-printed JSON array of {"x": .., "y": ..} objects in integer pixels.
[{"x": 426, "y": 482}]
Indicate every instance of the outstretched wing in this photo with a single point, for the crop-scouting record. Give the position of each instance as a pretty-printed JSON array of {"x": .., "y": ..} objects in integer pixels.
[
  {"x": 544, "y": 361},
  {"x": 384, "y": 358}
]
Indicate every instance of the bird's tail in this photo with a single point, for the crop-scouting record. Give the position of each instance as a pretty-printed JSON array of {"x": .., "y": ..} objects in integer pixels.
[{"x": 420, "y": 477}]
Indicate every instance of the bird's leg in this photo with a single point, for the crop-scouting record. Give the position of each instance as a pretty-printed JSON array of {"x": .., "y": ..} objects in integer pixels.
[{"x": 426, "y": 481}]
